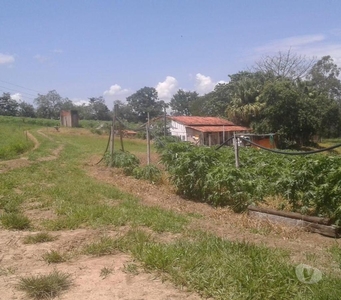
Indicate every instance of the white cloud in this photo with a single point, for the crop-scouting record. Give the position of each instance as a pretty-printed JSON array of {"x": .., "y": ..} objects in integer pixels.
[
  {"x": 42, "y": 59},
  {"x": 79, "y": 102},
  {"x": 294, "y": 43},
  {"x": 204, "y": 84},
  {"x": 6, "y": 59},
  {"x": 167, "y": 88},
  {"x": 115, "y": 90},
  {"x": 58, "y": 51},
  {"x": 16, "y": 97}
]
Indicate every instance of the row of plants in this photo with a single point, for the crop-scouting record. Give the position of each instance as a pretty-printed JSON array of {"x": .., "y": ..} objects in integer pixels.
[
  {"x": 131, "y": 166},
  {"x": 309, "y": 184}
]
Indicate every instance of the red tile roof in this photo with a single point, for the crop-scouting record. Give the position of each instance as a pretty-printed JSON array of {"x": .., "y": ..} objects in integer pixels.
[
  {"x": 219, "y": 128},
  {"x": 201, "y": 121}
]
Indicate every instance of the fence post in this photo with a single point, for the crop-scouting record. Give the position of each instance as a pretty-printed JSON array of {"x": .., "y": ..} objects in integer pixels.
[{"x": 236, "y": 150}]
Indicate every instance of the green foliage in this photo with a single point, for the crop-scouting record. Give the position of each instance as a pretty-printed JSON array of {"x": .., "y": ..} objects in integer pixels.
[
  {"x": 123, "y": 159},
  {"x": 143, "y": 101},
  {"x": 150, "y": 172},
  {"x": 222, "y": 269},
  {"x": 311, "y": 184},
  {"x": 53, "y": 257},
  {"x": 181, "y": 102},
  {"x": 15, "y": 221},
  {"x": 41, "y": 237},
  {"x": 13, "y": 141},
  {"x": 8, "y": 106},
  {"x": 45, "y": 286}
]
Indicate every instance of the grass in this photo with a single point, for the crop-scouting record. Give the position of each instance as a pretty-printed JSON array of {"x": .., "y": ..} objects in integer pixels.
[
  {"x": 224, "y": 270},
  {"x": 41, "y": 237},
  {"x": 335, "y": 250},
  {"x": 202, "y": 262},
  {"x": 45, "y": 286},
  {"x": 54, "y": 257},
  {"x": 131, "y": 268},
  {"x": 15, "y": 221},
  {"x": 13, "y": 141},
  {"x": 105, "y": 272}
]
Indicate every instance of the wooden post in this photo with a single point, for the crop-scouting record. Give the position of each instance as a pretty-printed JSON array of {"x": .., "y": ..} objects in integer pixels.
[
  {"x": 148, "y": 142},
  {"x": 236, "y": 150},
  {"x": 112, "y": 137},
  {"x": 165, "y": 120}
]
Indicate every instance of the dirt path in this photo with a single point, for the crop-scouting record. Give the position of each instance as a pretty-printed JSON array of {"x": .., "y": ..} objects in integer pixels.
[{"x": 23, "y": 161}]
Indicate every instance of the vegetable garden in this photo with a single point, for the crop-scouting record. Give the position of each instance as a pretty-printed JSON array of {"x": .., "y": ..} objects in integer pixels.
[{"x": 309, "y": 185}]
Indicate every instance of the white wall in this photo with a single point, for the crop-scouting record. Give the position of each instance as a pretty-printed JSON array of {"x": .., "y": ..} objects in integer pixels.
[{"x": 179, "y": 130}]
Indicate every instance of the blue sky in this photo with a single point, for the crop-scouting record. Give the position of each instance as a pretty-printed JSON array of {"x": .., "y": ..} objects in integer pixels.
[{"x": 94, "y": 48}]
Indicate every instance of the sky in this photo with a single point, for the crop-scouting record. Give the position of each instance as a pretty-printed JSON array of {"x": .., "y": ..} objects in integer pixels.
[{"x": 112, "y": 48}]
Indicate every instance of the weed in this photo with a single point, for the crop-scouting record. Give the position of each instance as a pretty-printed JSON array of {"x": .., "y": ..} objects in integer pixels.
[
  {"x": 335, "y": 250},
  {"x": 105, "y": 272},
  {"x": 54, "y": 257},
  {"x": 45, "y": 286},
  {"x": 15, "y": 221},
  {"x": 149, "y": 172},
  {"x": 131, "y": 268},
  {"x": 41, "y": 237},
  {"x": 105, "y": 246}
]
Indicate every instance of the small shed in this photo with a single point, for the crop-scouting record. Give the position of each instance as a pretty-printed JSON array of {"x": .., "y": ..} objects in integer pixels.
[{"x": 69, "y": 118}]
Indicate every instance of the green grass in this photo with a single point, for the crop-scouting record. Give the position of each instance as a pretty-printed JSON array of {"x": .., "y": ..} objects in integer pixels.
[
  {"x": 45, "y": 286},
  {"x": 54, "y": 257},
  {"x": 204, "y": 263},
  {"x": 41, "y": 237},
  {"x": 15, "y": 221},
  {"x": 13, "y": 141},
  {"x": 220, "y": 269}
]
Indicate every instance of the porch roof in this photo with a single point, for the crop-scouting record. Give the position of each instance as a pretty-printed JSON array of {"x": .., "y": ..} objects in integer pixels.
[{"x": 219, "y": 128}]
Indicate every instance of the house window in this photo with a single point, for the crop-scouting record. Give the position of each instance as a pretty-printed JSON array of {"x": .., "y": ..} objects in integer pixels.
[{"x": 183, "y": 138}]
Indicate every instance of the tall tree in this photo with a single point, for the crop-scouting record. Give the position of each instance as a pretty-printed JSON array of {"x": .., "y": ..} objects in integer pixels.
[
  {"x": 49, "y": 105},
  {"x": 26, "y": 110},
  {"x": 98, "y": 109},
  {"x": 285, "y": 64},
  {"x": 324, "y": 78},
  {"x": 8, "y": 106},
  {"x": 181, "y": 102},
  {"x": 145, "y": 101}
]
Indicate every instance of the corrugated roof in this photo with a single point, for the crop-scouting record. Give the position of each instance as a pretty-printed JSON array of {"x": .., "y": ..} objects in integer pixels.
[
  {"x": 219, "y": 128},
  {"x": 201, "y": 121}
]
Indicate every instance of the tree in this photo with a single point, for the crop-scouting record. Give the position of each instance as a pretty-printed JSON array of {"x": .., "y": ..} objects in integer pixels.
[
  {"x": 98, "y": 109},
  {"x": 49, "y": 105},
  {"x": 26, "y": 110},
  {"x": 288, "y": 112},
  {"x": 323, "y": 76},
  {"x": 181, "y": 102},
  {"x": 285, "y": 65},
  {"x": 245, "y": 106},
  {"x": 145, "y": 101},
  {"x": 8, "y": 106},
  {"x": 126, "y": 112}
]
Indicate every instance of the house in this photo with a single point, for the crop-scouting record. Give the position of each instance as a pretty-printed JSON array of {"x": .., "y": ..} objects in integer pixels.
[
  {"x": 69, "y": 118},
  {"x": 204, "y": 130}
]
